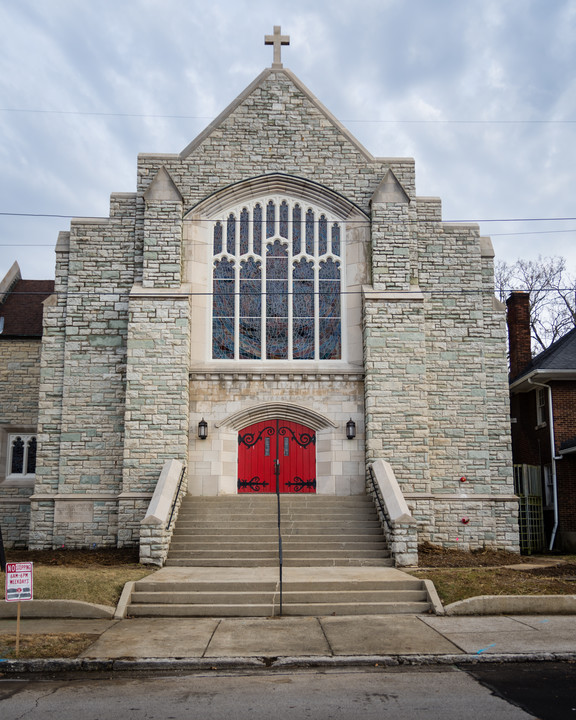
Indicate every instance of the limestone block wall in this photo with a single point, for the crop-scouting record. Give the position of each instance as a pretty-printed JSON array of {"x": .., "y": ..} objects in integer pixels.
[
  {"x": 468, "y": 521},
  {"x": 157, "y": 399},
  {"x": 82, "y": 389},
  {"x": 397, "y": 423},
  {"x": 162, "y": 256},
  {"x": 436, "y": 387},
  {"x": 276, "y": 125},
  {"x": 52, "y": 381},
  {"x": 19, "y": 380}
]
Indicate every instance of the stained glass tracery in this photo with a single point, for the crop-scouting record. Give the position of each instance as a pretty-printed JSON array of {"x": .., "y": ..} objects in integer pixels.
[{"x": 278, "y": 298}]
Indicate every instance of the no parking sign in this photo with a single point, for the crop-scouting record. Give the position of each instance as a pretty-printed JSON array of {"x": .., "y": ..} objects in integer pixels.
[{"x": 19, "y": 581}]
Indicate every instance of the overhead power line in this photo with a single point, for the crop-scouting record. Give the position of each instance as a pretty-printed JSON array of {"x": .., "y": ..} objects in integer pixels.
[
  {"x": 344, "y": 222},
  {"x": 388, "y": 121},
  {"x": 126, "y": 293}
]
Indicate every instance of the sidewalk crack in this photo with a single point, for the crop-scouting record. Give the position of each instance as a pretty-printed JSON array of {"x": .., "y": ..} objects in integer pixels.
[{"x": 211, "y": 637}]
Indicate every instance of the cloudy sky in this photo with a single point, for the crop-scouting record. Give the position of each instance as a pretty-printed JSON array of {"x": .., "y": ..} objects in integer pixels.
[{"x": 482, "y": 93}]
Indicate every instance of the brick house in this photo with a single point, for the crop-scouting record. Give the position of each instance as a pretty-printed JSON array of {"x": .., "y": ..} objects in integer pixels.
[
  {"x": 273, "y": 272},
  {"x": 21, "y": 305},
  {"x": 543, "y": 413}
]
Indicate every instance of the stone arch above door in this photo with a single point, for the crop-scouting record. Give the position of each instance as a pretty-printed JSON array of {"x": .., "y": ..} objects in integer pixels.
[{"x": 272, "y": 410}]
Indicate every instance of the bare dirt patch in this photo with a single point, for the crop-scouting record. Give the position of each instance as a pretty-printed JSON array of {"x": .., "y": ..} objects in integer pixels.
[{"x": 432, "y": 556}]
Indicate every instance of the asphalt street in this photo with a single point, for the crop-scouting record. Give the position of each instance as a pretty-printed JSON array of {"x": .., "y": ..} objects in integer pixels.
[{"x": 495, "y": 692}]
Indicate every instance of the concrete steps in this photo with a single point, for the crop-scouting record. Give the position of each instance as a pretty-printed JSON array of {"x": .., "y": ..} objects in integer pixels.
[
  {"x": 223, "y": 561},
  {"x": 312, "y": 598},
  {"x": 242, "y": 531}
]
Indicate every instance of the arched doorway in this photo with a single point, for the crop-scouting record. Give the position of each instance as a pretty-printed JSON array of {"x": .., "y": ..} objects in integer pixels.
[{"x": 277, "y": 454}]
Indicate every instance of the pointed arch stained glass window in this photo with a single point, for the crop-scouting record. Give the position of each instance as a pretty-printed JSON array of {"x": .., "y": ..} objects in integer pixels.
[
  {"x": 276, "y": 282},
  {"x": 21, "y": 455}
]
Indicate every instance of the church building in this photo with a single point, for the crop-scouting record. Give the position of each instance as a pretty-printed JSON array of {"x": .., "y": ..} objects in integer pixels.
[{"x": 277, "y": 310}]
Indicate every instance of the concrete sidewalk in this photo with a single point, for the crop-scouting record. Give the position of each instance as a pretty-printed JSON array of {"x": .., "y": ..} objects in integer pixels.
[{"x": 216, "y": 643}]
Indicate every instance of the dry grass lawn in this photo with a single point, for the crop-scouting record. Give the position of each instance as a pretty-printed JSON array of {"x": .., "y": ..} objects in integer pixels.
[
  {"x": 65, "y": 645},
  {"x": 458, "y": 575},
  {"x": 92, "y": 576},
  {"x": 99, "y": 576}
]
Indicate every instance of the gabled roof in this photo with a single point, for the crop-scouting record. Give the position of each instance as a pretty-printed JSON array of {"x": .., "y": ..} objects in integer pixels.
[
  {"x": 21, "y": 304},
  {"x": 259, "y": 82},
  {"x": 557, "y": 361}
]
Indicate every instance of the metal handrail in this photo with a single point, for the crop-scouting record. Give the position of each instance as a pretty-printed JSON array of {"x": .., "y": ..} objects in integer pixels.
[
  {"x": 176, "y": 496},
  {"x": 280, "y": 559},
  {"x": 377, "y": 494}
]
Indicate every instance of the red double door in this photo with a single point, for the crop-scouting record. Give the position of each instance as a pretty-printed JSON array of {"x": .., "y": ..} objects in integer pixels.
[{"x": 277, "y": 451}]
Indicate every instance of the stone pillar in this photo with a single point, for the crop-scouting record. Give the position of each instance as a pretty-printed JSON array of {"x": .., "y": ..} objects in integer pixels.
[
  {"x": 158, "y": 359},
  {"x": 162, "y": 252},
  {"x": 394, "y": 261},
  {"x": 50, "y": 404},
  {"x": 397, "y": 427},
  {"x": 394, "y": 342}
]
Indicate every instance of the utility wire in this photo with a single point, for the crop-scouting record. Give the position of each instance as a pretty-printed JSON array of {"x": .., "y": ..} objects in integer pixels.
[
  {"x": 459, "y": 121},
  {"x": 209, "y": 294},
  {"x": 303, "y": 221}
]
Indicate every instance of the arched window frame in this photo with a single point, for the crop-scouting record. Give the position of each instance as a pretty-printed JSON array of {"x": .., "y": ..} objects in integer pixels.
[
  {"x": 21, "y": 456},
  {"x": 278, "y": 227}
]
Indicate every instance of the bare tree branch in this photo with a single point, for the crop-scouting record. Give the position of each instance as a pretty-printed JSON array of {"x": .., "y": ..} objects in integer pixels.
[{"x": 552, "y": 295}]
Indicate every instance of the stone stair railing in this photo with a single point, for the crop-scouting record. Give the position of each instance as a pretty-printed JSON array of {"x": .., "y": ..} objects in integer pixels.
[
  {"x": 158, "y": 524},
  {"x": 400, "y": 528}
]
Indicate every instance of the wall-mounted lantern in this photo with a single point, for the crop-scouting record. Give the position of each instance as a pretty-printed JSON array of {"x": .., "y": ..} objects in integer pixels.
[
  {"x": 350, "y": 429},
  {"x": 202, "y": 429}
]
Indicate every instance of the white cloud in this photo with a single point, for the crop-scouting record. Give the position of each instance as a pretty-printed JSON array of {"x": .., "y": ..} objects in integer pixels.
[{"x": 372, "y": 60}]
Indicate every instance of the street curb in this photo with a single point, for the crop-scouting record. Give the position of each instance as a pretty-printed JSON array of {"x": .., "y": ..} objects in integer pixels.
[
  {"x": 514, "y": 605},
  {"x": 16, "y": 667},
  {"x": 57, "y": 609}
]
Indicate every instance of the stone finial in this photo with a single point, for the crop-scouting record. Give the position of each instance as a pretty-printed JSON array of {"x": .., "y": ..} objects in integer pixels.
[
  {"x": 162, "y": 188},
  {"x": 390, "y": 191},
  {"x": 277, "y": 40}
]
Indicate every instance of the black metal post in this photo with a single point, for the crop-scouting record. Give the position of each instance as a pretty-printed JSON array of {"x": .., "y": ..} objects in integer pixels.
[
  {"x": 277, "y": 471},
  {"x": 2, "y": 554}
]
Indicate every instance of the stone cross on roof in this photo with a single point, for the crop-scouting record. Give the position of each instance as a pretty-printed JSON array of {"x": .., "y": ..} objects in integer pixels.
[{"x": 277, "y": 40}]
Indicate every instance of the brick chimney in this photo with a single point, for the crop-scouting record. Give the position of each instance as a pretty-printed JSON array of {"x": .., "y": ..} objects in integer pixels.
[{"x": 518, "y": 319}]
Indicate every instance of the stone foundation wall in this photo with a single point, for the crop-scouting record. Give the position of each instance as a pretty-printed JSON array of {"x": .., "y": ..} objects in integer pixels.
[
  {"x": 467, "y": 523},
  {"x": 15, "y": 519}
]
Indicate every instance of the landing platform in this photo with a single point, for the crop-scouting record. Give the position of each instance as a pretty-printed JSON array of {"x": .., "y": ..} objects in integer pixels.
[{"x": 271, "y": 574}]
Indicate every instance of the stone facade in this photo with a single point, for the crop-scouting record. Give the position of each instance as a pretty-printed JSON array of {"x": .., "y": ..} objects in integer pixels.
[
  {"x": 127, "y": 370},
  {"x": 19, "y": 380}
]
